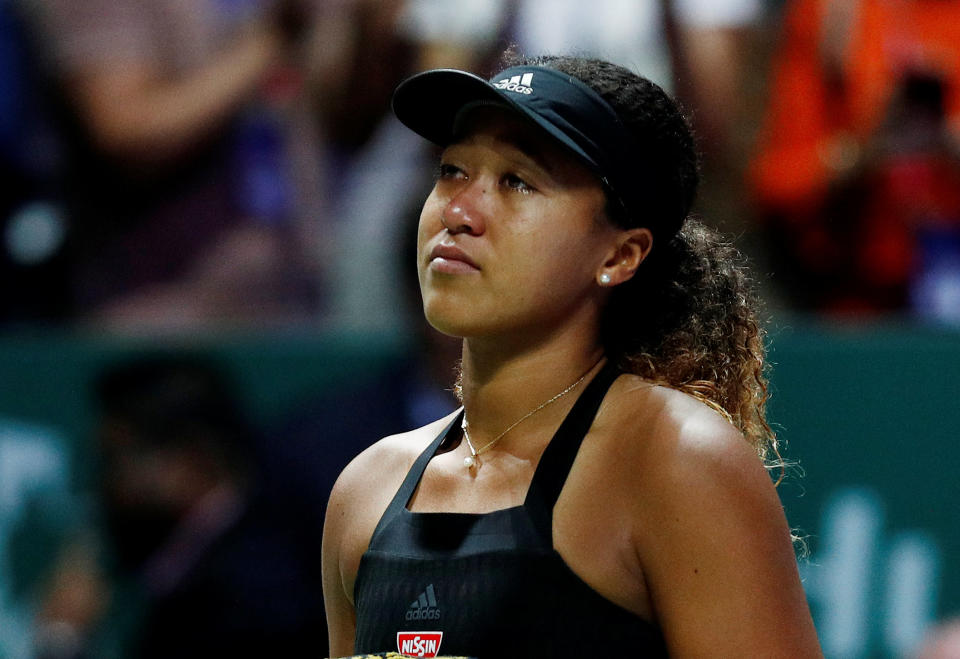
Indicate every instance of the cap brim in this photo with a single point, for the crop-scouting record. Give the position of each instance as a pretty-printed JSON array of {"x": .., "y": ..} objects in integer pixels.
[{"x": 430, "y": 103}]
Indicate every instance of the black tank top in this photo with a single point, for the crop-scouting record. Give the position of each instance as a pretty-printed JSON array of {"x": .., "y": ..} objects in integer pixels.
[{"x": 491, "y": 585}]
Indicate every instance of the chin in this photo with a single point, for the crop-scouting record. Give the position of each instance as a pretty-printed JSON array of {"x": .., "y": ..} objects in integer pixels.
[
  {"x": 453, "y": 318},
  {"x": 445, "y": 324}
]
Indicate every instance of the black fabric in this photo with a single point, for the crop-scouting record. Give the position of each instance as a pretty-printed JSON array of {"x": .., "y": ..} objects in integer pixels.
[{"x": 492, "y": 583}]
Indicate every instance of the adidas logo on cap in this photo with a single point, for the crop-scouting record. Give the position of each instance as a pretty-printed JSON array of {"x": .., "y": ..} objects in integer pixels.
[
  {"x": 521, "y": 84},
  {"x": 424, "y": 607}
]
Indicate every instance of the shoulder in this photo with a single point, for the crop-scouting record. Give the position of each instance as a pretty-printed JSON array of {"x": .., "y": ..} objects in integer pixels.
[
  {"x": 678, "y": 457},
  {"x": 673, "y": 428},
  {"x": 383, "y": 465},
  {"x": 670, "y": 424}
]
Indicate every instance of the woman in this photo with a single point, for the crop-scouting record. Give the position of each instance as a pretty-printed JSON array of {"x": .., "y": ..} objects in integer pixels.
[{"x": 600, "y": 491}]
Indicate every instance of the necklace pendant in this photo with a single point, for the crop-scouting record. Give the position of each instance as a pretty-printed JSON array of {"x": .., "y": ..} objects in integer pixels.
[{"x": 469, "y": 461}]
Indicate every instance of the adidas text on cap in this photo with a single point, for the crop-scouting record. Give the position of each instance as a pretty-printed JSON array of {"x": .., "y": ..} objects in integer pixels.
[{"x": 568, "y": 110}]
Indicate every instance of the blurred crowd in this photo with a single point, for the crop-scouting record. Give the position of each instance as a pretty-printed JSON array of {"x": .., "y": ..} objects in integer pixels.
[
  {"x": 856, "y": 176},
  {"x": 197, "y": 164},
  {"x": 175, "y": 164}
]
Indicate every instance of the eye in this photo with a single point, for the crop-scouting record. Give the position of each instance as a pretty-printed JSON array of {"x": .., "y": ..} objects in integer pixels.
[
  {"x": 514, "y": 182},
  {"x": 447, "y": 171}
]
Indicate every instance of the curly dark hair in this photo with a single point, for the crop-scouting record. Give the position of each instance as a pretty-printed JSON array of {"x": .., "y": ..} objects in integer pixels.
[{"x": 689, "y": 319}]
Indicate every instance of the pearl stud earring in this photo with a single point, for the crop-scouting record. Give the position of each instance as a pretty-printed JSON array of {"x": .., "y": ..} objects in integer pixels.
[{"x": 605, "y": 279}]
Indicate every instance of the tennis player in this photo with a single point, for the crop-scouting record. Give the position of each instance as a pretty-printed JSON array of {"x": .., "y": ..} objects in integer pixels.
[{"x": 605, "y": 488}]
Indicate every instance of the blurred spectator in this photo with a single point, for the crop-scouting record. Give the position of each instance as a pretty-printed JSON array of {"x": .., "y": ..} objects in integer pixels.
[
  {"x": 455, "y": 34},
  {"x": 203, "y": 565},
  {"x": 858, "y": 170},
  {"x": 188, "y": 198}
]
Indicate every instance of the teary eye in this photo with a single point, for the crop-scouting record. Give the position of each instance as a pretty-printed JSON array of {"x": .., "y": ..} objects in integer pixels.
[
  {"x": 446, "y": 170},
  {"x": 514, "y": 182}
]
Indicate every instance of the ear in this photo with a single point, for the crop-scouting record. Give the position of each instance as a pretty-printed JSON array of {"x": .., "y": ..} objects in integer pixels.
[{"x": 632, "y": 247}]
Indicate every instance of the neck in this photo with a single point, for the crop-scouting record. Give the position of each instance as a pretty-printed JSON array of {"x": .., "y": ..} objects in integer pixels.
[{"x": 499, "y": 387}]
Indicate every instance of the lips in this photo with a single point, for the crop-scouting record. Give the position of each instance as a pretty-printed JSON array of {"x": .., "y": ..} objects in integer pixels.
[{"x": 451, "y": 257}]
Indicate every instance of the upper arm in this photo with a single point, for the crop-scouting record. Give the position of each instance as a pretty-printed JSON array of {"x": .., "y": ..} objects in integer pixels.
[
  {"x": 356, "y": 503},
  {"x": 106, "y": 53},
  {"x": 139, "y": 109},
  {"x": 717, "y": 554},
  {"x": 341, "y": 620}
]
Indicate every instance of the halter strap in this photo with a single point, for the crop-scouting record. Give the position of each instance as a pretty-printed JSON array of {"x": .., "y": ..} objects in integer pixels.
[
  {"x": 402, "y": 497},
  {"x": 558, "y": 458}
]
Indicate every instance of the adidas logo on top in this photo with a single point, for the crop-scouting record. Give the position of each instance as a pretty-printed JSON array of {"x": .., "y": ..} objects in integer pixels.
[
  {"x": 424, "y": 607},
  {"x": 521, "y": 84}
]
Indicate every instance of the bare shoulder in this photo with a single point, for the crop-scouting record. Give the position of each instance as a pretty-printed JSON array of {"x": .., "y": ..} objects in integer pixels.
[
  {"x": 706, "y": 525},
  {"x": 680, "y": 440},
  {"x": 381, "y": 467},
  {"x": 687, "y": 461}
]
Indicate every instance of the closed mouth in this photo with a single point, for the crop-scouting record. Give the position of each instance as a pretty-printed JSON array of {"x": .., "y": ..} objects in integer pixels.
[{"x": 452, "y": 253}]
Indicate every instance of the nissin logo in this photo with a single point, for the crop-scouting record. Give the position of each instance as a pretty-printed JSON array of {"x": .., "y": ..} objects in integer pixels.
[
  {"x": 419, "y": 644},
  {"x": 519, "y": 84}
]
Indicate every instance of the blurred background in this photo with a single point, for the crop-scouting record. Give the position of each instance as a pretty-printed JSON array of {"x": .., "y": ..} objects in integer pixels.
[{"x": 207, "y": 303}]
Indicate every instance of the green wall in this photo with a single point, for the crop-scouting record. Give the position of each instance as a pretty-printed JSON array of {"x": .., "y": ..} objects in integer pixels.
[{"x": 872, "y": 415}]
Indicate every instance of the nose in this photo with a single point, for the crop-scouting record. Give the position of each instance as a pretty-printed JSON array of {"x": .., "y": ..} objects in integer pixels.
[{"x": 464, "y": 212}]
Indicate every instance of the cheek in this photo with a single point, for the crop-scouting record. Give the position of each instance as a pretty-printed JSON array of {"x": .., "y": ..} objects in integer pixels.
[
  {"x": 562, "y": 256},
  {"x": 431, "y": 212},
  {"x": 427, "y": 227}
]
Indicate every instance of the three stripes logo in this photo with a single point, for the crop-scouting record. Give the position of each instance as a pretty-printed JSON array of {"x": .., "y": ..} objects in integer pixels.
[
  {"x": 522, "y": 84},
  {"x": 424, "y": 607},
  {"x": 421, "y": 644}
]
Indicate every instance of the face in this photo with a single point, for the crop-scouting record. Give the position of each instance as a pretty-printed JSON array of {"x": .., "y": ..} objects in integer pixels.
[{"x": 513, "y": 234}]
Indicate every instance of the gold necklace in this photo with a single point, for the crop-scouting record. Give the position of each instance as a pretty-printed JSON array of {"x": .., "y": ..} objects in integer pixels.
[{"x": 473, "y": 459}]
